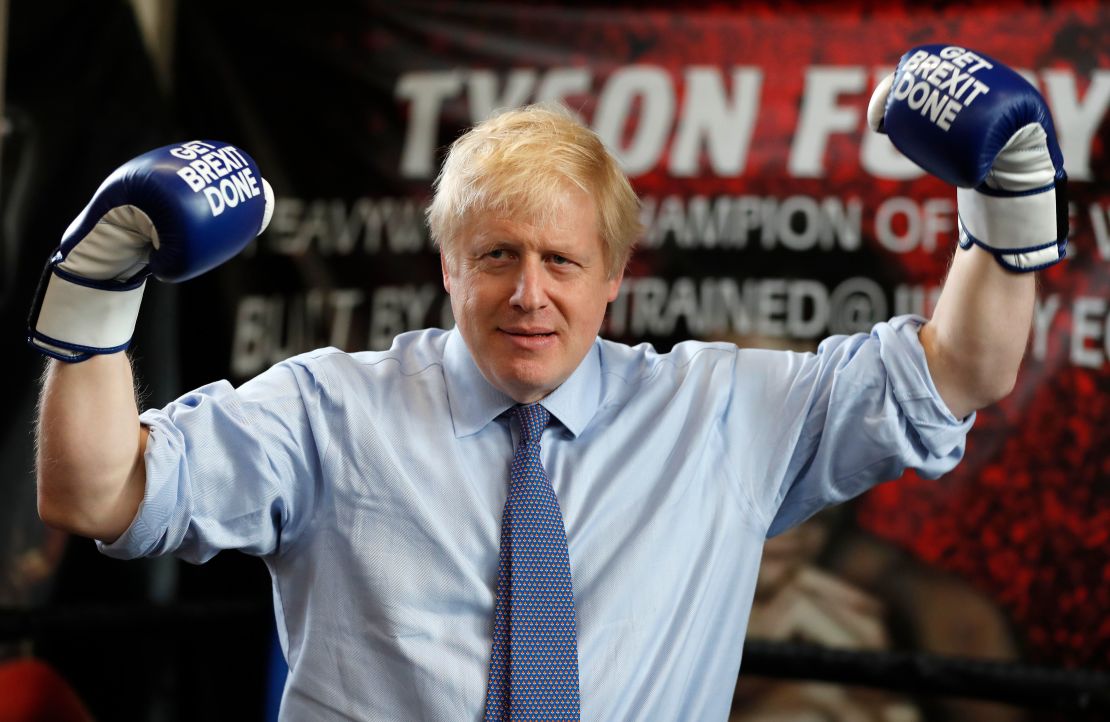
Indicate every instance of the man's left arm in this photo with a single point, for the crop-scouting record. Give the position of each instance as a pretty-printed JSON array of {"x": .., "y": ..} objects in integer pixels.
[
  {"x": 973, "y": 122},
  {"x": 977, "y": 335}
]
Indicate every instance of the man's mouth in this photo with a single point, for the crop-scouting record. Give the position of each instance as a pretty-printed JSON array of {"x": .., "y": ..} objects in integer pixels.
[
  {"x": 529, "y": 338},
  {"x": 527, "y": 332}
]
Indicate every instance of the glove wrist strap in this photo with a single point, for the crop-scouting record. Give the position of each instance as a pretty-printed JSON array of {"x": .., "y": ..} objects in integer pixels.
[
  {"x": 1021, "y": 230},
  {"x": 76, "y": 319}
]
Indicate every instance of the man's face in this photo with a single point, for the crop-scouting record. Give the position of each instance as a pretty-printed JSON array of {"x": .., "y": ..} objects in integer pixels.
[{"x": 529, "y": 300}]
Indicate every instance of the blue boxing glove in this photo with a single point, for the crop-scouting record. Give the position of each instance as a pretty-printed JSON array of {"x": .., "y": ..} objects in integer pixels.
[
  {"x": 974, "y": 123},
  {"x": 173, "y": 213}
]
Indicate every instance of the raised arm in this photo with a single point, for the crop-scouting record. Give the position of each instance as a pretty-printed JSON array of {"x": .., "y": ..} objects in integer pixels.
[
  {"x": 977, "y": 335},
  {"x": 91, "y": 475},
  {"x": 978, "y": 125},
  {"x": 173, "y": 213}
]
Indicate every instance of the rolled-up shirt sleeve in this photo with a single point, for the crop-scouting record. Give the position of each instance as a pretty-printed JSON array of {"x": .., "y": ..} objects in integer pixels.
[
  {"x": 229, "y": 468},
  {"x": 859, "y": 411}
]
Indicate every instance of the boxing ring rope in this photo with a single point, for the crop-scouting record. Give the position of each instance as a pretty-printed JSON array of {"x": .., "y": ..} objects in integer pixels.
[
  {"x": 917, "y": 673},
  {"x": 910, "y": 672}
]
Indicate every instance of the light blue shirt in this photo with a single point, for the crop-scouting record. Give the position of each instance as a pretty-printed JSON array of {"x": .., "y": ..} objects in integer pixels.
[{"x": 372, "y": 485}]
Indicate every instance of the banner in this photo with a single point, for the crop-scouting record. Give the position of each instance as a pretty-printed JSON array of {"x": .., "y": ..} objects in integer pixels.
[{"x": 774, "y": 217}]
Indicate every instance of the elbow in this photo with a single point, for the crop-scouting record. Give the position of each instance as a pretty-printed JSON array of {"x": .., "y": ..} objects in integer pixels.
[
  {"x": 81, "y": 514},
  {"x": 969, "y": 379},
  {"x": 52, "y": 511},
  {"x": 984, "y": 384},
  {"x": 993, "y": 386},
  {"x": 94, "y": 499},
  {"x": 76, "y": 521},
  {"x": 58, "y": 507}
]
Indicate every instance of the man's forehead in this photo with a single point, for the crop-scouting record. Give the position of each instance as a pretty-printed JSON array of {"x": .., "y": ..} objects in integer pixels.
[
  {"x": 520, "y": 225},
  {"x": 552, "y": 221}
]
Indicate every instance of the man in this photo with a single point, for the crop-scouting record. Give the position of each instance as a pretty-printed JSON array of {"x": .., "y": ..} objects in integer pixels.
[{"x": 516, "y": 516}]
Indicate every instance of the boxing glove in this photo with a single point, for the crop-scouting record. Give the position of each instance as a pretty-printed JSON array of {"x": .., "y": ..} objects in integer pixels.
[
  {"x": 976, "y": 124},
  {"x": 173, "y": 213}
]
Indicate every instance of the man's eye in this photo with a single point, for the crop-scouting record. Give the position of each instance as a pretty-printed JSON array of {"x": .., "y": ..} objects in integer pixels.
[
  {"x": 560, "y": 260},
  {"x": 496, "y": 254}
]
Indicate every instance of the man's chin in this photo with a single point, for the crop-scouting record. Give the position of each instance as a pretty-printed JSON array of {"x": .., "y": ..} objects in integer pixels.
[{"x": 528, "y": 383}]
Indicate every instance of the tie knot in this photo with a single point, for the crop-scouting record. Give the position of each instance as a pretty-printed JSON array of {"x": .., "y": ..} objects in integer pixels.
[{"x": 533, "y": 419}]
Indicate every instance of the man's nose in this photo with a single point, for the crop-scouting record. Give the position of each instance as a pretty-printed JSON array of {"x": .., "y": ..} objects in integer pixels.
[{"x": 530, "y": 293}]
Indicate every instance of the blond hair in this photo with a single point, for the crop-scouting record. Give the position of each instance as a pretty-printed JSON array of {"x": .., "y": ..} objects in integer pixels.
[{"x": 517, "y": 163}]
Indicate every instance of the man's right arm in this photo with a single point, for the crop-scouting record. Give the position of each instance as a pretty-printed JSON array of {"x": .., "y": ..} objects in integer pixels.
[
  {"x": 90, "y": 471},
  {"x": 154, "y": 215}
]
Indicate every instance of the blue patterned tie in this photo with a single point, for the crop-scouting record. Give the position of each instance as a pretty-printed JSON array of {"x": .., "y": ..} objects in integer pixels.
[{"x": 533, "y": 670}]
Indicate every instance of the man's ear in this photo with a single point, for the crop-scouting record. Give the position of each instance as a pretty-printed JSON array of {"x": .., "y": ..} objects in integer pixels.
[
  {"x": 443, "y": 266},
  {"x": 615, "y": 285}
]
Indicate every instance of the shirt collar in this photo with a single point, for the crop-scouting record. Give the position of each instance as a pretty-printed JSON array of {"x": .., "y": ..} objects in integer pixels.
[{"x": 474, "y": 402}]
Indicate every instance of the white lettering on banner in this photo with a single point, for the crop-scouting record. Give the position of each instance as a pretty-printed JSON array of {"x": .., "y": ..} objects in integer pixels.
[
  {"x": 1077, "y": 121},
  {"x": 822, "y": 115},
  {"x": 639, "y": 118},
  {"x": 640, "y": 97},
  {"x": 1100, "y": 224},
  {"x": 336, "y": 227},
  {"x": 1090, "y": 334},
  {"x": 708, "y": 120},
  {"x": 269, "y": 328},
  {"x": 725, "y": 308},
  {"x": 1090, "y": 330},
  {"x": 522, "y": 84},
  {"x": 904, "y": 224},
  {"x": 395, "y": 309},
  {"x": 562, "y": 84},
  {"x": 915, "y": 299},
  {"x": 366, "y": 226},
  {"x": 1044, "y": 313},
  {"x": 643, "y": 96},
  {"x": 798, "y": 223},
  {"x": 482, "y": 95},
  {"x": 260, "y": 336},
  {"x": 425, "y": 92}
]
